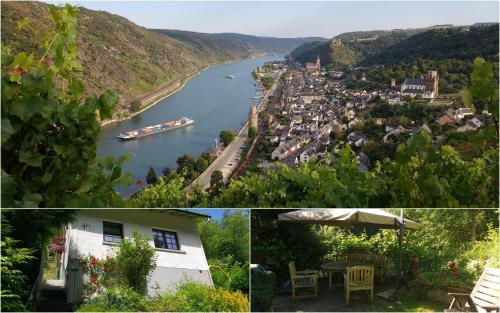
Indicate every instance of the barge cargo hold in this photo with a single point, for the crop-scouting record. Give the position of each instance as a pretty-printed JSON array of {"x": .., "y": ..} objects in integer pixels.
[{"x": 155, "y": 129}]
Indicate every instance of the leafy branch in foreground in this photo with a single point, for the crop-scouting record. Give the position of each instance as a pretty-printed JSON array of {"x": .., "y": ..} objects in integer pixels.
[
  {"x": 483, "y": 87},
  {"x": 420, "y": 176},
  {"x": 49, "y": 131}
]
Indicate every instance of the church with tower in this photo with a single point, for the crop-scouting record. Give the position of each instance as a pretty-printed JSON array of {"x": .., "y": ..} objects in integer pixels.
[{"x": 313, "y": 67}]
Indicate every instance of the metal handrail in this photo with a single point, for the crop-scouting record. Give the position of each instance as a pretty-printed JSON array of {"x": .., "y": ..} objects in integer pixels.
[
  {"x": 32, "y": 294},
  {"x": 34, "y": 290}
]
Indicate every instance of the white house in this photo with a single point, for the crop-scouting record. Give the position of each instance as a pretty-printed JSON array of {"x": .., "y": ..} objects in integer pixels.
[
  {"x": 463, "y": 112},
  {"x": 476, "y": 122},
  {"x": 173, "y": 234}
]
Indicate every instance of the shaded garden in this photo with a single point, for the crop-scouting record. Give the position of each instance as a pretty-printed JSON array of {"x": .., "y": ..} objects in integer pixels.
[{"x": 446, "y": 254}]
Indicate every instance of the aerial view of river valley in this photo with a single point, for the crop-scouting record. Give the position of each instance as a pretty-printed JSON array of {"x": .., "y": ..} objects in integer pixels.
[{"x": 212, "y": 100}]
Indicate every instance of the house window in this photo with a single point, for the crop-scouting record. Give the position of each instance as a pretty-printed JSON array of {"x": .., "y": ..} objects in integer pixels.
[
  {"x": 112, "y": 232},
  {"x": 166, "y": 239}
]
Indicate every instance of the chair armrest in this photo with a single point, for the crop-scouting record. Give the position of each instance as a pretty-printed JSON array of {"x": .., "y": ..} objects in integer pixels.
[
  {"x": 455, "y": 294},
  {"x": 489, "y": 308},
  {"x": 305, "y": 276},
  {"x": 307, "y": 272}
]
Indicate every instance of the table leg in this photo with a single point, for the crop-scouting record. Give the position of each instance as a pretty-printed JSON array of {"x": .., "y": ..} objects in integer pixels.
[{"x": 330, "y": 280}]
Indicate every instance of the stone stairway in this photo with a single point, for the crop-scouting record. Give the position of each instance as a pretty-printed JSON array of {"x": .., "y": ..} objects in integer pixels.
[{"x": 53, "y": 299}]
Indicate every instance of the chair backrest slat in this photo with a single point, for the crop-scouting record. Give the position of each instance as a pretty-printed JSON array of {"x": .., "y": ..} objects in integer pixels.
[
  {"x": 291, "y": 267},
  {"x": 360, "y": 275}
]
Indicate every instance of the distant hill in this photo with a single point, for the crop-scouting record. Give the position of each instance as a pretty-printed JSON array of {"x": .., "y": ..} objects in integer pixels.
[
  {"x": 252, "y": 44},
  {"x": 120, "y": 55},
  {"x": 353, "y": 47},
  {"x": 460, "y": 43},
  {"x": 206, "y": 44},
  {"x": 404, "y": 45}
]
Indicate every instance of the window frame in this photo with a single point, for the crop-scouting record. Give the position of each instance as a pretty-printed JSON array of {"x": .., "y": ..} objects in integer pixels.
[
  {"x": 122, "y": 235},
  {"x": 163, "y": 232}
]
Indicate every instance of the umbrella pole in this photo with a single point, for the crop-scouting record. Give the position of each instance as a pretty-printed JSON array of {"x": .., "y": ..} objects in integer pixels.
[{"x": 400, "y": 255}]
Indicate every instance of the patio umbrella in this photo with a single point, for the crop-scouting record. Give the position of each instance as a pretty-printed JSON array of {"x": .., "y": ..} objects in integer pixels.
[
  {"x": 347, "y": 217},
  {"x": 354, "y": 217}
]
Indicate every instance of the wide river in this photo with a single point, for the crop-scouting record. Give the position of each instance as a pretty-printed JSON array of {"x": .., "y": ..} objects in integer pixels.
[{"x": 213, "y": 101}]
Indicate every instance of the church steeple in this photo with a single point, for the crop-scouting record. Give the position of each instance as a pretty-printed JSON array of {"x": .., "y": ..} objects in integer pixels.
[{"x": 318, "y": 64}]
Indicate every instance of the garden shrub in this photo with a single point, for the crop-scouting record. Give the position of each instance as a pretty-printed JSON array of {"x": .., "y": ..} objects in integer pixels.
[
  {"x": 116, "y": 299},
  {"x": 131, "y": 266},
  {"x": 239, "y": 278},
  {"x": 12, "y": 278},
  {"x": 229, "y": 274},
  {"x": 483, "y": 253},
  {"x": 196, "y": 297},
  {"x": 136, "y": 259},
  {"x": 101, "y": 273}
]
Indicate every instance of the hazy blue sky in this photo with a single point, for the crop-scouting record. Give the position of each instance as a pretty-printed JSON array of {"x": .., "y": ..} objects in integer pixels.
[
  {"x": 216, "y": 214},
  {"x": 297, "y": 19}
]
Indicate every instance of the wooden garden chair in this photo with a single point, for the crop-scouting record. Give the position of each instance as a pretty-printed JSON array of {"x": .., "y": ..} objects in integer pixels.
[
  {"x": 358, "y": 278},
  {"x": 303, "y": 279},
  {"x": 485, "y": 297}
]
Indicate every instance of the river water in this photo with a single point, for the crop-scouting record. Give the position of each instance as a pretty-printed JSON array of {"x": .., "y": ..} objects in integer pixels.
[{"x": 211, "y": 100}]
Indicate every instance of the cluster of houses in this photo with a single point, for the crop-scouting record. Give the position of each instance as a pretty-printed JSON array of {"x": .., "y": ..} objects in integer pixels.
[
  {"x": 313, "y": 107},
  {"x": 310, "y": 111},
  {"x": 464, "y": 118}
]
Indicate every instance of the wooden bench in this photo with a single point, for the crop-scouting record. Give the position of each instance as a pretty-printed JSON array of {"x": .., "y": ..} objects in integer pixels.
[{"x": 485, "y": 297}]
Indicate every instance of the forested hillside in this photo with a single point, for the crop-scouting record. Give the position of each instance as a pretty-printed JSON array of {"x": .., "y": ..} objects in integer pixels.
[
  {"x": 268, "y": 44},
  {"x": 354, "y": 47},
  {"x": 400, "y": 47},
  {"x": 114, "y": 52},
  {"x": 461, "y": 43},
  {"x": 247, "y": 43},
  {"x": 449, "y": 51}
]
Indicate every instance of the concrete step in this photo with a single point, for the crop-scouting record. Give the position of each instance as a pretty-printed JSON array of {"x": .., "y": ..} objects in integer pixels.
[
  {"x": 54, "y": 308},
  {"x": 53, "y": 300}
]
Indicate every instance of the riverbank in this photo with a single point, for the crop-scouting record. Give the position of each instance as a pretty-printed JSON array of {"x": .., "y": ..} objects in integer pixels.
[{"x": 167, "y": 91}]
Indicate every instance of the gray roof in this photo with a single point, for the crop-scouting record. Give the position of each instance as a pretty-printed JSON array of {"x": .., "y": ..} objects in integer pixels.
[
  {"x": 184, "y": 212},
  {"x": 414, "y": 81}
]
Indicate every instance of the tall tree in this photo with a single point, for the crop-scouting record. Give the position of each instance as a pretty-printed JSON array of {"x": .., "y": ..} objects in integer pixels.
[
  {"x": 216, "y": 184},
  {"x": 226, "y": 137},
  {"x": 151, "y": 177}
]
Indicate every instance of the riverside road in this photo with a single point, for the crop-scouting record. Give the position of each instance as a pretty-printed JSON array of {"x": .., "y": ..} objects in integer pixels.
[{"x": 229, "y": 158}]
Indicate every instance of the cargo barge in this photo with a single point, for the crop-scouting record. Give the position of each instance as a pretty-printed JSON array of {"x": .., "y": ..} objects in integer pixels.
[{"x": 155, "y": 129}]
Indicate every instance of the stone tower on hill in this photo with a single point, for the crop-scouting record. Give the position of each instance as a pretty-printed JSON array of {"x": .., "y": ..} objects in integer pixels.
[{"x": 252, "y": 117}]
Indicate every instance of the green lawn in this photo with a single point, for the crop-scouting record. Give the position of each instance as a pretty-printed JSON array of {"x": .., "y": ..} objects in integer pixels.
[{"x": 50, "y": 270}]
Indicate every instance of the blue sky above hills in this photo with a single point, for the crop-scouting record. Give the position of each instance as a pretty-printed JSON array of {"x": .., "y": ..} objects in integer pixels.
[{"x": 297, "y": 18}]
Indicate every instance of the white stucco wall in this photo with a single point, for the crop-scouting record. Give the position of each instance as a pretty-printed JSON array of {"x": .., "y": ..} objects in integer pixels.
[
  {"x": 90, "y": 239},
  {"x": 86, "y": 237}
]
